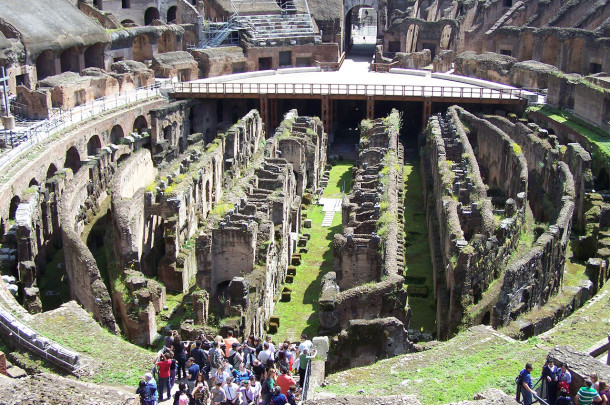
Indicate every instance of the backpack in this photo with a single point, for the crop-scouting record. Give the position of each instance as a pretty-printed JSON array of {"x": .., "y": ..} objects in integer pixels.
[
  {"x": 265, "y": 388},
  {"x": 183, "y": 399},
  {"x": 215, "y": 359}
]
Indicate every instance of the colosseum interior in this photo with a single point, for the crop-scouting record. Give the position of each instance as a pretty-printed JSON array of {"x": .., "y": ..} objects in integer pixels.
[{"x": 422, "y": 187}]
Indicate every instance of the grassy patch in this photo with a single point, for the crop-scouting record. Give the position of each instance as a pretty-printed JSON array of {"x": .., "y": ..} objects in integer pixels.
[
  {"x": 595, "y": 135},
  {"x": 474, "y": 360},
  {"x": 340, "y": 180},
  {"x": 106, "y": 352},
  {"x": 300, "y": 315},
  {"x": 418, "y": 264}
]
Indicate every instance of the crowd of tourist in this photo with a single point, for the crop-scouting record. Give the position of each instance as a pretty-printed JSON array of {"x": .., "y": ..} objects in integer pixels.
[
  {"x": 224, "y": 371},
  {"x": 556, "y": 383}
]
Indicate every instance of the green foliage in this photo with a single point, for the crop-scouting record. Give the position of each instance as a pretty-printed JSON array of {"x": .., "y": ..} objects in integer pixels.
[
  {"x": 365, "y": 126},
  {"x": 517, "y": 148},
  {"x": 340, "y": 179}
]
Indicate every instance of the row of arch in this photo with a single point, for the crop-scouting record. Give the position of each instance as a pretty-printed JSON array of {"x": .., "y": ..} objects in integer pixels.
[
  {"x": 69, "y": 60},
  {"x": 72, "y": 159}
]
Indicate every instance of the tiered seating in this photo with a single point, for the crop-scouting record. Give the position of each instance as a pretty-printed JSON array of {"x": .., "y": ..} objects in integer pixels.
[{"x": 277, "y": 26}]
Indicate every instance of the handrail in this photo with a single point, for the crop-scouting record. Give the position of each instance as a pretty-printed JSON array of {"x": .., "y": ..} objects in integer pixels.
[
  {"x": 366, "y": 90},
  {"x": 306, "y": 382},
  {"x": 24, "y": 139},
  {"x": 382, "y": 67}
]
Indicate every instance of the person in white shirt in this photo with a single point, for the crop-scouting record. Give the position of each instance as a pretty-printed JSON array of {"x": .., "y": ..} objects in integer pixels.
[
  {"x": 266, "y": 354},
  {"x": 232, "y": 391},
  {"x": 271, "y": 346},
  {"x": 305, "y": 344},
  {"x": 248, "y": 393}
]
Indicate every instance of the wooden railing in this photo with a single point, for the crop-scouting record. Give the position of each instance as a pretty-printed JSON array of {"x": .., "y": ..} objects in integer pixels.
[
  {"x": 382, "y": 67},
  {"x": 365, "y": 90},
  {"x": 331, "y": 66}
]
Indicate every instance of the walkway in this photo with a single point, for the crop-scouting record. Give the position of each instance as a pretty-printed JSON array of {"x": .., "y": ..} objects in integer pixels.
[
  {"x": 27, "y": 137},
  {"x": 329, "y": 206}
]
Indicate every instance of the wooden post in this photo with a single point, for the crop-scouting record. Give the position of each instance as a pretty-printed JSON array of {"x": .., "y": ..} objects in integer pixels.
[
  {"x": 264, "y": 109},
  {"x": 326, "y": 114},
  {"x": 427, "y": 112},
  {"x": 370, "y": 108}
]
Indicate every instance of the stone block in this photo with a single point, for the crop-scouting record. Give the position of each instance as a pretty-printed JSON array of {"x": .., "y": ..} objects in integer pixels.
[
  {"x": 16, "y": 372},
  {"x": 3, "y": 364},
  {"x": 273, "y": 328},
  {"x": 275, "y": 319},
  {"x": 303, "y": 250},
  {"x": 322, "y": 345},
  {"x": 289, "y": 279},
  {"x": 286, "y": 295},
  {"x": 295, "y": 260},
  {"x": 292, "y": 271},
  {"x": 307, "y": 223}
]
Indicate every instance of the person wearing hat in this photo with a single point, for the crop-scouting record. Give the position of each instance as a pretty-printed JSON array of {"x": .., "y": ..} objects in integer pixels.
[{"x": 248, "y": 393}]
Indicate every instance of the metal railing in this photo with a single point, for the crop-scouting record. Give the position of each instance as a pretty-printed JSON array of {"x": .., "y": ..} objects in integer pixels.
[
  {"x": 22, "y": 139},
  {"x": 365, "y": 90},
  {"x": 306, "y": 382}
]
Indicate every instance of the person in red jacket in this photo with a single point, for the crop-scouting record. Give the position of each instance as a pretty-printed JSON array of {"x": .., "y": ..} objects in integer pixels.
[
  {"x": 164, "y": 363},
  {"x": 285, "y": 380}
]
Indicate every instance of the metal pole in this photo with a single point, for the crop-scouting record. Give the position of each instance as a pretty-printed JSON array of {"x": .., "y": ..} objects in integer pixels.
[{"x": 5, "y": 92}]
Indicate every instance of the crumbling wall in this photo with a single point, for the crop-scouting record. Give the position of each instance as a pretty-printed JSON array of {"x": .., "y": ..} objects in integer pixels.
[
  {"x": 468, "y": 248},
  {"x": 84, "y": 194},
  {"x": 178, "y": 65},
  {"x": 371, "y": 289},
  {"x": 220, "y": 61}
]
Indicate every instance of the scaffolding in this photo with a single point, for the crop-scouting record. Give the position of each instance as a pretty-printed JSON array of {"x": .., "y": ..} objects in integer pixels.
[{"x": 262, "y": 20}]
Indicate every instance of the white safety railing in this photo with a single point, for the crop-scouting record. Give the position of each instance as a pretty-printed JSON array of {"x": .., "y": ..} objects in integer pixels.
[{"x": 22, "y": 139}]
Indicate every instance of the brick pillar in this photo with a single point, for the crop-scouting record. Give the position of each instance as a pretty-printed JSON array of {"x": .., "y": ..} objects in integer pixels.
[{"x": 3, "y": 364}]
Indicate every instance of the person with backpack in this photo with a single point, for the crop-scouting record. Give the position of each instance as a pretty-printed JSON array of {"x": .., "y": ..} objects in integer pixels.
[
  {"x": 218, "y": 394},
  {"x": 146, "y": 392},
  {"x": 235, "y": 356},
  {"x": 182, "y": 396},
  {"x": 524, "y": 385},
  {"x": 180, "y": 356},
  {"x": 232, "y": 392},
  {"x": 215, "y": 357},
  {"x": 199, "y": 355},
  {"x": 201, "y": 393},
  {"x": 278, "y": 398},
  {"x": 152, "y": 386}
]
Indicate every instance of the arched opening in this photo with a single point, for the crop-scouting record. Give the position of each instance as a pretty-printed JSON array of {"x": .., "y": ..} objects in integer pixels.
[
  {"x": 45, "y": 64},
  {"x": 126, "y": 3},
  {"x": 361, "y": 30},
  {"x": 550, "y": 51},
  {"x": 128, "y": 23},
  {"x": 94, "y": 56},
  {"x": 93, "y": 145},
  {"x": 189, "y": 39},
  {"x": 12, "y": 209},
  {"x": 171, "y": 14},
  {"x": 73, "y": 160},
  {"x": 602, "y": 181},
  {"x": 98, "y": 4},
  {"x": 51, "y": 171},
  {"x": 167, "y": 133},
  {"x": 70, "y": 60},
  {"x": 166, "y": 42},
  {"x": 142, "y": 48},
  {"x": 33, "y": 182},
  {"x": 151, "y": 14},
  {"x": 140, "y": 124},
  {"x": 116, "y": 134},
  {"x": 486, "y": 318}
]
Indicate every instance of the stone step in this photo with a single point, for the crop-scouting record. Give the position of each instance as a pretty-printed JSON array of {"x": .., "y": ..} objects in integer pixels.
[{"x": 328, "y": 218}]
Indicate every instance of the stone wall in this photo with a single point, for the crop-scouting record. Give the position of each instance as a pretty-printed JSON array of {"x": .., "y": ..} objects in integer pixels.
[
  {"x": 469, "y": 247},
  {"x": 220, "y": 61},
  {"x": 367, "y": 282},
  {"x": 581, "y": 366},
  {"x": 83, "y": 196}
]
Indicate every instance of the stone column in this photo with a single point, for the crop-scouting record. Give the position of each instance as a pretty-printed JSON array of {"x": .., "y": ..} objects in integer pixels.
[{"x": 3, "y": 364}]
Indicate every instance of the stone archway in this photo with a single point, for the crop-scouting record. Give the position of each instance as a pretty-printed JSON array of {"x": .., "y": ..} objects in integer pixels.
[
  {"x": 12, "y": 209},
  {"x": 94, "y": 56},
  {"x": 348, "y": 5},
  {"x": 70, "y": 60},
  {"x": 116, "y": 134},
  {"x": 93, "y": 145},
  {"x": 151, "y": 14},
  {"x": 140, "y": 124},
  {"x": 51, "y": 171},
  {"x": 166, "y": 42},
  {"x": 142, "y": 48},
  {"x": 45, "y": 64},
  {"x": 73, "y": 161},
  {"x": 171, "y": 14}
]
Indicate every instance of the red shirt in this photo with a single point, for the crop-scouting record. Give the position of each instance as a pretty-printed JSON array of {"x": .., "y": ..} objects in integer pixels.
[
  {"x": 164, "y": 367},
  {"x": 284, "y": 381}
]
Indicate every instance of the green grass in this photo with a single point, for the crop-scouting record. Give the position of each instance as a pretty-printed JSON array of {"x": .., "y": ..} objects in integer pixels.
[
  {"x": 111, "y": 359},
  {"x": 418, "y": 263},
  {"x": 300, "y": 315},
  {"x": 595, "y": 135},
  {"x": 456, "y": 370},
  {"x": 340, "y": 179}
]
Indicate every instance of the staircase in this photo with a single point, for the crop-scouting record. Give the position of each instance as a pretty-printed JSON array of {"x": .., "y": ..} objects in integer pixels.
[{"x": 264, "y": 20}]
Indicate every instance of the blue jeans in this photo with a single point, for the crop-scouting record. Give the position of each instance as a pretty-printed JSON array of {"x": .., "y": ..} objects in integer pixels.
[
  {"x": 527, "y": 397},
  {"x": 162, "y": 383}
]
